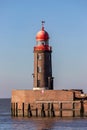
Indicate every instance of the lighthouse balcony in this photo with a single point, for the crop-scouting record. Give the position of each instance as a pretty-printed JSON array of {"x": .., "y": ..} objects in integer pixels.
[{"x": 43, "y": 48}]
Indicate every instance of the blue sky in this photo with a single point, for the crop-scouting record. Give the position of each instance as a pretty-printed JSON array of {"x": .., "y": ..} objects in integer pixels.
[{"x": 66, "y": 23}]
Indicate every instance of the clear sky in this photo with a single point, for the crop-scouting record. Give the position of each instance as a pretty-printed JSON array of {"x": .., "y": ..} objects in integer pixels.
[{"x": 66, "y": 23}]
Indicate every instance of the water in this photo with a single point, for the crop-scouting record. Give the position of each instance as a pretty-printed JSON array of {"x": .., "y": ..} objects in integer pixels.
[{"x": 11, "y": 123}]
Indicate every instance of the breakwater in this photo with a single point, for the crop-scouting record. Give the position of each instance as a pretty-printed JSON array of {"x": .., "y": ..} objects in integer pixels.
[{"x": 48, "y": 103}]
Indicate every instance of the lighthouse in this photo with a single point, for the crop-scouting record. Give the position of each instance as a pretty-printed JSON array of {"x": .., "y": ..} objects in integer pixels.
[
  {"x": 43, "y": 101},
  {"x": 42, "y": 76}
]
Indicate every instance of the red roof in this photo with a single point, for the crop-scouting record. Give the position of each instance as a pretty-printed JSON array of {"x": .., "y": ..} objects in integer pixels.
[{"x": 42, "y": 35}]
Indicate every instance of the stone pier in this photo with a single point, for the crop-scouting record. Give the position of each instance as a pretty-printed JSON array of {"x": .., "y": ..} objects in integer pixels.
[{"x": 48, "y": 103}]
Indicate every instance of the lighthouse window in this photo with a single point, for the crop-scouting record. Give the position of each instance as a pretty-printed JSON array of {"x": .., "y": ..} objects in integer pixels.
[
  {"x": 39, "y": 43},
  {"x": 49, "y": 57},
  {"x": 42, "y": 43},
  {"x": 39, "y": 57},
  {"x": 38, "y": 83},
  {"x": 39, "y": 69},
  {"x": 47, "y": 42}
]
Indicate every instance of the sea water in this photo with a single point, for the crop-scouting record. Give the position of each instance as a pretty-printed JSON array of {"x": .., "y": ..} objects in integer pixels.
[{"x": 24, "y": 123}]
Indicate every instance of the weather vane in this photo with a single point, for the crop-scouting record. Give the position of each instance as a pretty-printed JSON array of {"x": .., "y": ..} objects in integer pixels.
[{"x": 43, "y": 25}]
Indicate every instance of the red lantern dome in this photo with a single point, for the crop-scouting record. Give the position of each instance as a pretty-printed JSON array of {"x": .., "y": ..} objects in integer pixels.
[{"x": 42, "y": 35}]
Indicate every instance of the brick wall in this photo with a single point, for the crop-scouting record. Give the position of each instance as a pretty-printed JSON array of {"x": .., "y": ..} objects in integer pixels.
[{"x": 48, "y": 95}]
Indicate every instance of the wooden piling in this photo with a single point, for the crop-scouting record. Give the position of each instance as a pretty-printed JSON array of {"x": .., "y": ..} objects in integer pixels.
[
  {"x": 52, "y": 110},
  {"x": 29, "y": 111},
  {"x": 23, "y": 109},
  {"x": 42, "y": 111},
  {"x": 73, "y": 109},
  {"x": 16, "y": 114},
  {"x": 82, "y": 109},
  {"x": 36, "y": 112},
  {"x": 48, "y": 109},
  {"x": 60, "y": 108},
  {"x": 12, "y": 109}
]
